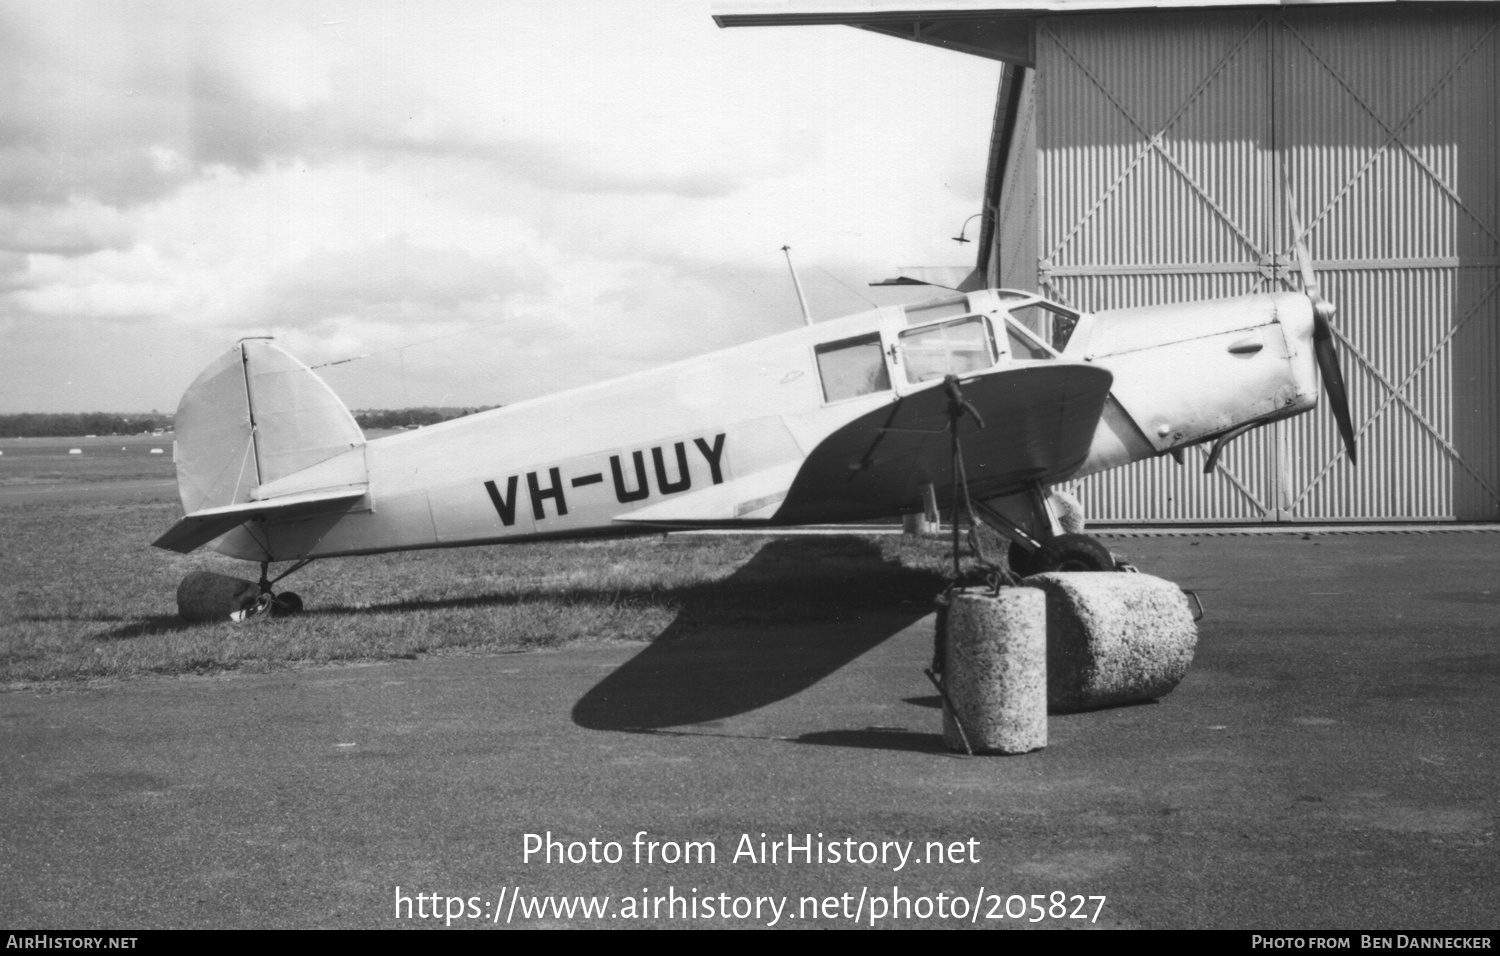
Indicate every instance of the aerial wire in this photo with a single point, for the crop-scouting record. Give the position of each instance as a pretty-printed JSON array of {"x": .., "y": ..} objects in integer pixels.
[
  {"x": 398, "y": 348},
  {"x": 846, "y": 285},
  {"x": 454, "y": 335}
]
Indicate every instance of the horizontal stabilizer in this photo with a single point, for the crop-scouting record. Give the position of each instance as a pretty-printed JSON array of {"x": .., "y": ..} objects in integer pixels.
[{"x": 201, "y": 527}]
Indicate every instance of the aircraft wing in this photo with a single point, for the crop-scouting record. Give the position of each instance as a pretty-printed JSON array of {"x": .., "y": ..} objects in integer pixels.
[
  {"x": 201, "y": 527},
  {"x": 1039, "y": 423}
]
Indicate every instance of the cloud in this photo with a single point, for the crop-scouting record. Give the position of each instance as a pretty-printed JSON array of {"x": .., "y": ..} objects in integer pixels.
[
  {"x": 123, "y": 104},
  {"x": 81, "y": 105},
  {"x": 126, "y": 104},
  {"x": 12, "y": 271},
  {"x": 72, "y": 228},
  {"x": 563, "y": 191},
  {"x": 132, "y": 285},
  {"x": 396, "y": 280}
]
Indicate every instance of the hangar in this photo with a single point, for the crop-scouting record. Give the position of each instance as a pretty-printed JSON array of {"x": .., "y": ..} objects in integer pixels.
[{"x": 1142, "y": 153}]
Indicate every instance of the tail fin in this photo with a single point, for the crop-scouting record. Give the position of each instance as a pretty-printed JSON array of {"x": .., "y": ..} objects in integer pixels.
[{"x": 255, "y": 415}]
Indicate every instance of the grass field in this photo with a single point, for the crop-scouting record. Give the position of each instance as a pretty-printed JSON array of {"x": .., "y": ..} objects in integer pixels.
[
  {"x": 83, "y": 595},
  {"x": 32, "y": 461}
]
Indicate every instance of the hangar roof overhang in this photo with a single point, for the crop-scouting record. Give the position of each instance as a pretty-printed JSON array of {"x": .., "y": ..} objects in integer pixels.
[{"x": 995, "y": 29}]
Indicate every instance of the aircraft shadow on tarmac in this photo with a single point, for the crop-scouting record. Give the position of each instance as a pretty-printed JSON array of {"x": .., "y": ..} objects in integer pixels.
[
  {"x": 795, "y": 613},
  {"x": 697, "y": 672},
  {"x": 870, "y": 738}
]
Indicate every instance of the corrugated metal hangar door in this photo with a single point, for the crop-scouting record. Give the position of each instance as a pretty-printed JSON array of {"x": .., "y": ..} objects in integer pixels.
[{"x": 1164, "y": 147}]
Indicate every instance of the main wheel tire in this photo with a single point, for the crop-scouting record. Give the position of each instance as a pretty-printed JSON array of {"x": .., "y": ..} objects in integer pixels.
[
  {"x": 1074, "y": 552},
  {"x": 1023, "y": 562},
  {"x": 286, "y": 603}
]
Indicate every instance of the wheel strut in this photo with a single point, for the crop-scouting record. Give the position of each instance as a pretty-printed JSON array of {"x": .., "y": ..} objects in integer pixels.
[
  {"x": 287, "y": 602},
  {"x": 1038, "y": 540}
]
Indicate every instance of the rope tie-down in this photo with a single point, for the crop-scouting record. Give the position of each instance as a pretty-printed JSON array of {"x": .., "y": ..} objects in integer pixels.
[{"x": 1017, "y": 613}]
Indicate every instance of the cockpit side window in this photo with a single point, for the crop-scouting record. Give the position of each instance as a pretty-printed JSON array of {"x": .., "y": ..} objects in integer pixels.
[
  {"x": 852, "y": 367},
  {"x": 958, "y": 347},
  {"x": 1050, "y": 324},
  {"x": 1024, "y": 346}
]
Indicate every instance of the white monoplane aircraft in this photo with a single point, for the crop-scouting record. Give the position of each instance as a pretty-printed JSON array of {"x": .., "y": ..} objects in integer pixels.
[{"x": 843, "y": 420}]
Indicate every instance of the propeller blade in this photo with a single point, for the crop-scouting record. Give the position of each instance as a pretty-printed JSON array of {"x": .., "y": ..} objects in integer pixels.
[
  {"x": 1323, "y": 312},
  {"x": 1333, "y": 378},
  {"x": 1304, "y": 258}
]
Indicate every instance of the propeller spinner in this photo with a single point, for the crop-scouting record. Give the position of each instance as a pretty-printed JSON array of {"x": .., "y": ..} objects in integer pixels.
[{"x": 1323, "y": 347}]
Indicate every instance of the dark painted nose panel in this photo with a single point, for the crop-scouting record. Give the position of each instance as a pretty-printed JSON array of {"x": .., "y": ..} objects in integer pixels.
[{"x": 1039, "y": 423}]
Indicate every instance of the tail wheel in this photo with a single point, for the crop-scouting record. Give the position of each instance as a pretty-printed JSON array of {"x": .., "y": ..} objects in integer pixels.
[
  {"x": 1073, "y": 552},
  {"x": 252, "y": 608}
]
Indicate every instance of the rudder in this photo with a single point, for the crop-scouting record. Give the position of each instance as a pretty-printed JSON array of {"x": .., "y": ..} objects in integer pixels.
[{"x": 254, "y": 415}]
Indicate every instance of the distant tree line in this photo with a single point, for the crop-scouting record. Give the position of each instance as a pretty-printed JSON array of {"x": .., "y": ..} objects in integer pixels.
[
  {"x": 69, "y": 424},
  {"x": 409, "y": 417},
  {"x": 72, "y": 424}
]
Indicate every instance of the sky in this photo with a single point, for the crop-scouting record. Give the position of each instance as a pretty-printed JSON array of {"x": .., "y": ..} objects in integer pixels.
[{"x": 476, "y": 202}]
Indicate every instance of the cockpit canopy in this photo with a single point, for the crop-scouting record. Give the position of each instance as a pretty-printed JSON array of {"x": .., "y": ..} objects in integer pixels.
[{"x": 957, "y": 335}]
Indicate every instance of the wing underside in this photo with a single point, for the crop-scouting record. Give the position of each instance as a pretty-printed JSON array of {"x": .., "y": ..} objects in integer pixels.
[{"x": 1039, "y": 422}]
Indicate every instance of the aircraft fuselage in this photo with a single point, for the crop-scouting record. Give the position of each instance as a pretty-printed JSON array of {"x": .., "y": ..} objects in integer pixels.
[{"x": 730, "y": 438}]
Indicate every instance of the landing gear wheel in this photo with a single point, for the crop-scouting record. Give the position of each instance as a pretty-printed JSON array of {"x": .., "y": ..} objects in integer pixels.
[
  {"x": 252, "y": 607},
  {"x": 1074, "y": 552},
  {"x": 1023, "y": 562},
  {"x": 286, "y": 603}
]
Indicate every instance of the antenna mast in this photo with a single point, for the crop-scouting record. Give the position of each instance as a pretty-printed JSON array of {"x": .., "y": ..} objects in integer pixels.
[{"x": 801, "y": 299}]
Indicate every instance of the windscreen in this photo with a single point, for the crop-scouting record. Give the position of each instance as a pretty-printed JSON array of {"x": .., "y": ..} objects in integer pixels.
[
  {"x": 952, "y": 348},
  {"x": 1051, "y": 325}
]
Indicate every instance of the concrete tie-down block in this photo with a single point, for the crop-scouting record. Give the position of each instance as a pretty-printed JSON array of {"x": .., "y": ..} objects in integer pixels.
[
  {"x": 1113, "y": 638},
  {"x": 205, "y": 596},
  {"x": 995, "y": 670}
]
